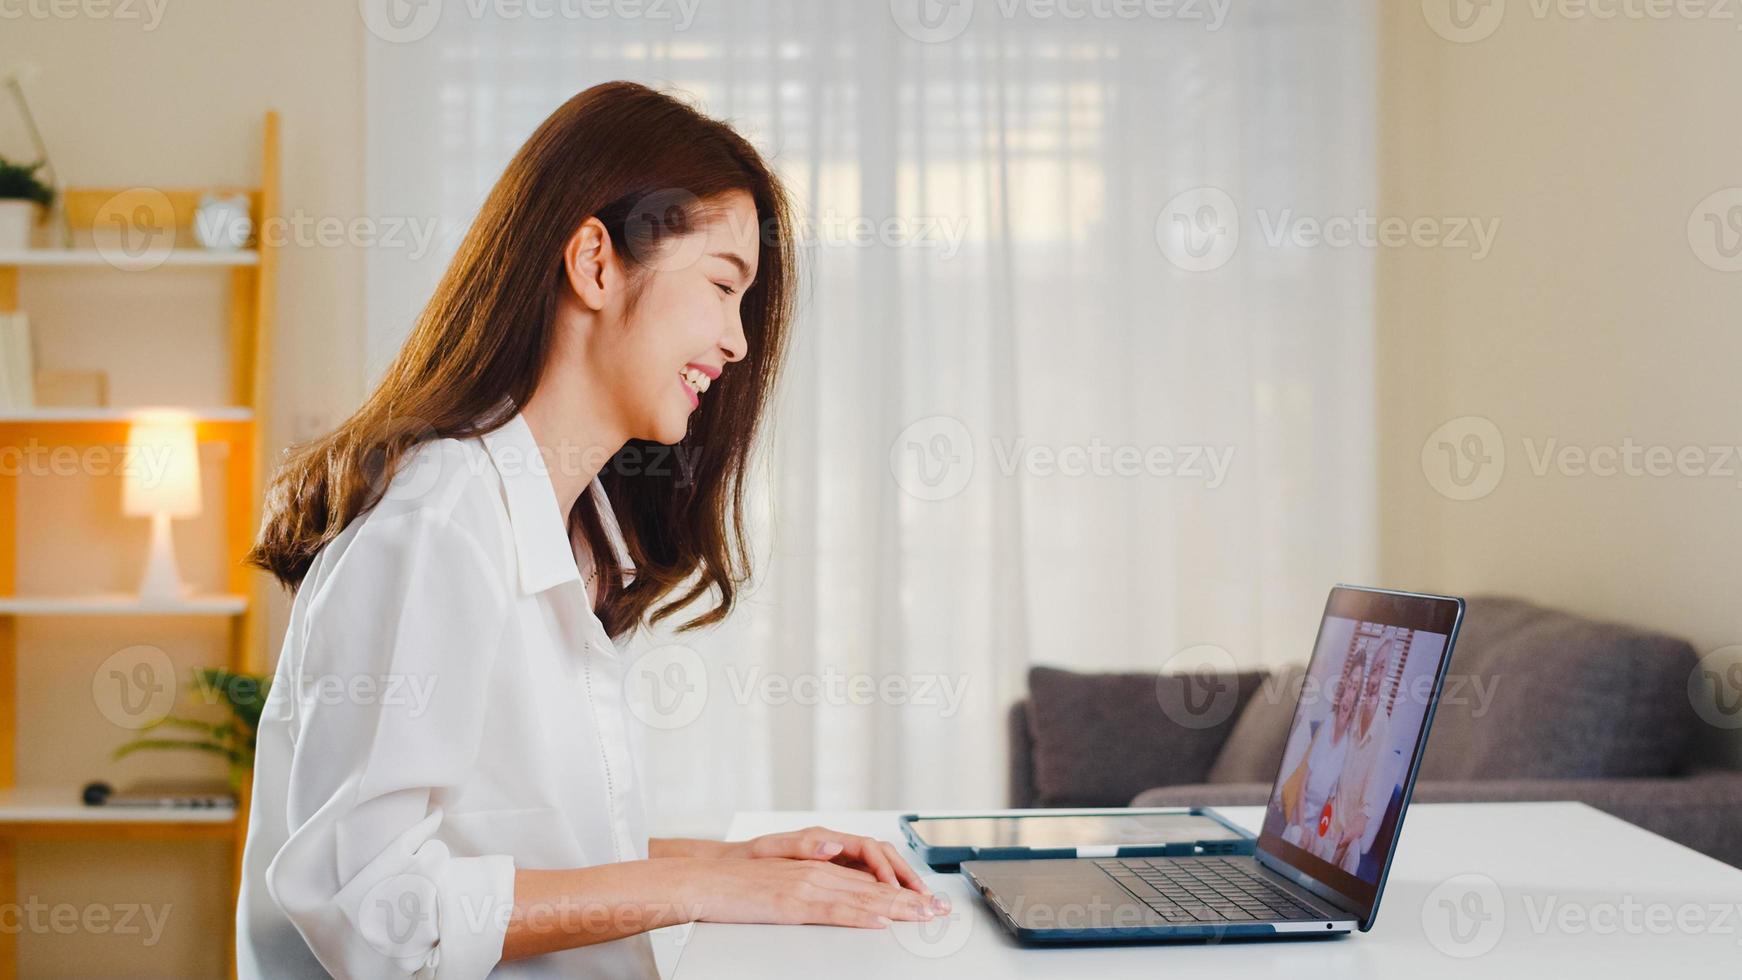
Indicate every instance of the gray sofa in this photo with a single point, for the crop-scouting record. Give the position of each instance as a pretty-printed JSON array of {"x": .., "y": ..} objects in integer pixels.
[{"x": 1539, "y": 705}]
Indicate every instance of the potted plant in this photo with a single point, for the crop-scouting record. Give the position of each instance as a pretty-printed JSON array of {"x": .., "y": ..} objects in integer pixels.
[
  {"x": 245, "y": 697},
  {"x": 22, "y": 193}
]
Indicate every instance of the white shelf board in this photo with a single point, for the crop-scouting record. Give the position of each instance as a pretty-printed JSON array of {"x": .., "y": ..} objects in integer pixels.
[
  {"x": 90, "y": 257},
  {"x": 65, "y": 804},
  {"x": 121, "y": 604},
  {"x": 222, "y": 413}
]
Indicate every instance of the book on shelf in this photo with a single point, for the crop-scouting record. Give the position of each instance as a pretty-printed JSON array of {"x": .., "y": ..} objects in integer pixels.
[{"x": 17, "y": 363}]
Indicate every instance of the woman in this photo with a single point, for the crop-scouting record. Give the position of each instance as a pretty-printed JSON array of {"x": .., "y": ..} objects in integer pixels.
[
  {"x": 1368, "y": 780},
  {"x": 443, "y": 784},
  {"x": 1308, "y": 794}
]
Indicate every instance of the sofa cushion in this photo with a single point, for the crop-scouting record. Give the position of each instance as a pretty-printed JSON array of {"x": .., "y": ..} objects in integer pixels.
[
  {"x": 1254, "y": 748},
  {"x": 1099, "y": 739},
  {"x": 1537, "y": 694}
]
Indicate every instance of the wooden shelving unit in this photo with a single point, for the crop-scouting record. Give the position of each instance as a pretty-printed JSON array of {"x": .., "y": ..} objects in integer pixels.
[
  {"x": 118, "y": 605},
  {"x": 74, "y": 258},
  {"x": 55, "y": 812},
  {"x": 37, "y": 416}
]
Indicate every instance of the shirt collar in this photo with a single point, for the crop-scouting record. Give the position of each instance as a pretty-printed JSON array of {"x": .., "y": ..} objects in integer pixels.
[{"x": 546, "y": 556}]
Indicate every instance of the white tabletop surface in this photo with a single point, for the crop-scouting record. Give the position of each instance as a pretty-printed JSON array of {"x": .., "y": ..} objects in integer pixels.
[{"x": 1528, "y": 890}]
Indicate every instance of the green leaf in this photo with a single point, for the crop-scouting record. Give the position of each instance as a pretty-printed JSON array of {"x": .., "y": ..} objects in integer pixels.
[
  {"x": 172, "y": 743},
  {"x": 173, "y": 721},
  {"x": 18, "y": 181}
]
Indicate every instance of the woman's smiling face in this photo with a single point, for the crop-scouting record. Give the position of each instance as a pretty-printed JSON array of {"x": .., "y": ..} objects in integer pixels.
[{"x": 674, "y": 341}]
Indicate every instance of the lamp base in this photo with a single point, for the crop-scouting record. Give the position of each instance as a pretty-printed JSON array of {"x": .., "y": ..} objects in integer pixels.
[{"x": 162, "y": 580}]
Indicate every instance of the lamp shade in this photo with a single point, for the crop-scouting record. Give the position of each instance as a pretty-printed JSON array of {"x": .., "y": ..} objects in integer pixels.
[{"x": 162, "y": 475}]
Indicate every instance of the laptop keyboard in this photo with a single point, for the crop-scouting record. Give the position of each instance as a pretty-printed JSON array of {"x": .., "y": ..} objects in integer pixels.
[{"x": 1187, "y": 890}]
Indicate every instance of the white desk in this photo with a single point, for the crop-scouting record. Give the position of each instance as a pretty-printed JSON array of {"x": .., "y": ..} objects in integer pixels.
[{"x": 1555, "y": 890}]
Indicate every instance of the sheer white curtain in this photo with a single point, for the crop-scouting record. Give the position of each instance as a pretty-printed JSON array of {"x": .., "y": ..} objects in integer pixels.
[{"x": 1035, "y": 412}]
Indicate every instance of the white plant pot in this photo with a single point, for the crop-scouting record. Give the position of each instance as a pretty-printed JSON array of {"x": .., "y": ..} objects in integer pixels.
[{"x": 16, "y": 218}]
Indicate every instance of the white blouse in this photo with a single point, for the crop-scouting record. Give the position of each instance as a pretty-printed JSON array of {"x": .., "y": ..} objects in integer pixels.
[{"x": 447, "y": 708}]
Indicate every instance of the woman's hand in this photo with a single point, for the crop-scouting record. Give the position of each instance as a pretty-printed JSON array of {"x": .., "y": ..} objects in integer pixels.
[
  {"x": 565, "y": 908},
  {"x": 868, "y": 854},
  {"x": 789, "y": 891}
]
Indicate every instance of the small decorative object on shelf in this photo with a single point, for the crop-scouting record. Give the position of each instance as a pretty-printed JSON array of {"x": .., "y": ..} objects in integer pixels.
[
  {"x": 162, "y": 794},
  {"x": 162, "y": 482},
  {"x": 22, "y": 197},
  {"x": 71, "y": 389},
  {"x": 222, "y": 223},
  {"x": 244, "y": 694},
  {"x": 23, "y": 193}
]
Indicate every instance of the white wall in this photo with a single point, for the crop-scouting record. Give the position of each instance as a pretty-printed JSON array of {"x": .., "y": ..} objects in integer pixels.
[{"x": 1593, "y": 321}]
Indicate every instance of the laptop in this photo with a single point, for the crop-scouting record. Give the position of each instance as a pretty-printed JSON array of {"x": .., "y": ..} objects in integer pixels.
[{"x": 1332, "y": 822}]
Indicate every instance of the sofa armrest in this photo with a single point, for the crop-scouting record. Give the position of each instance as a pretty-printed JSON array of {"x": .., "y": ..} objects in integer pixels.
[
  {"x": 1702, "y": 811},
  {"x": 1021, "y": 785}
]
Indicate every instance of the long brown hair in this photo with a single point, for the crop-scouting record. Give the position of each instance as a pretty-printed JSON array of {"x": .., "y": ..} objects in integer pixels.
[{"x": 645, "y": 165}]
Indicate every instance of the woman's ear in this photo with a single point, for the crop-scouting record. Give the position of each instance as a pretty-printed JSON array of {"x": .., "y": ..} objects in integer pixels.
[{"x": 591, "y": 264}]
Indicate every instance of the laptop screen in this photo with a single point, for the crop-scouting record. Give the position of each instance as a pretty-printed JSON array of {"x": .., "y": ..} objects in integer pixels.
[{"x": 1356, "y": 739}]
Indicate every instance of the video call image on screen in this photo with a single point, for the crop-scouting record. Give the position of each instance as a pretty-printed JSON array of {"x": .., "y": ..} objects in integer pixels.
[{"x": 1362, "y": 704}]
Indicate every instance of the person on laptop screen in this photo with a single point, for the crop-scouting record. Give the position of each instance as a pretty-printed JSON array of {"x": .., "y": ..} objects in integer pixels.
[
  {"x": 1309, "y": 795},
  {"x": 1348, "y": 753},
  {"x": 1373, "y": 774}
]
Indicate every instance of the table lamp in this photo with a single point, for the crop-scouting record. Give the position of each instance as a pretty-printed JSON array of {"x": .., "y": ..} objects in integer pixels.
[{"x": 162, "y": 482}]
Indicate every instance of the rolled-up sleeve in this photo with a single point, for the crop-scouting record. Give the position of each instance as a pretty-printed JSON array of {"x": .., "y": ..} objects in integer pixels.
[{"x": 390, "y": 704}]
